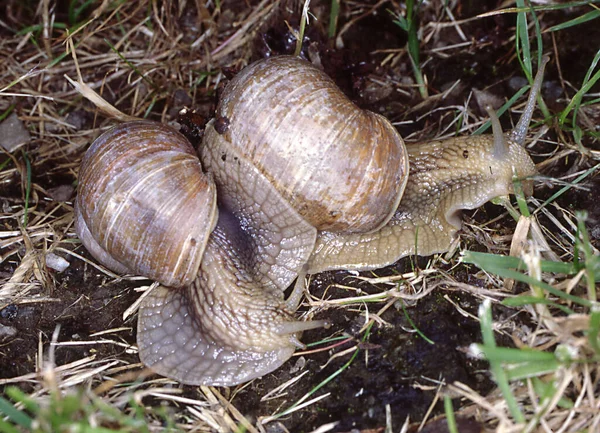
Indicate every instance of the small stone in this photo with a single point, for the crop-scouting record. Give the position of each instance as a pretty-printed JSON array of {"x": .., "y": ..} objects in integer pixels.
[
  {"x": 10, "y": 312},
  {"x": 299, "y": 365},
  {"x": 55, "y": 262},
  {"x": 13, "y": 133},
  {"x": 517, "y": 82},
  {"x": 61, "y": 193},
  {"x": 77, "y": 119},
  {"x": 484, "y": 98},
  {"x": 7, "y": 332}
]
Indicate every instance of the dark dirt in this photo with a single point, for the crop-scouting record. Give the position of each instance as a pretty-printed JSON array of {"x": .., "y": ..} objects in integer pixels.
[
  {"x": 394, "y": 366},
  {"x": 82, "y": 303}
]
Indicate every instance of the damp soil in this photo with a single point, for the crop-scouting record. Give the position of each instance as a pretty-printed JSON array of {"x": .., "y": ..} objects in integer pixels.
[{"x": 395, "y": 365}]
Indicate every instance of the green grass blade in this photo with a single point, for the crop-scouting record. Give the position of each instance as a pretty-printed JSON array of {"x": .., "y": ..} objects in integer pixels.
[
  {"x": 5, "y": 427},
  {"x": 15, "y": 394},
  {"x": 14, "y": 414},
  {"x": 333, "y": 18},
  {"x": 489, "y": 342},
  {"x": 131, "y": 65},
  {"x": 412, "y": 324},
  {"x": 592, "y": 15},
  {"x": 487, "y": 260},
  {"x": 531, "y": 369},
  {"x": 548, "y": 390},
  {"x": 505, "y": 272},
  {"x": 327, "y": 379},
  {"x": 565, "y": 188},
  {"x": 522, "y": 41},
  {"x": 522, "y": 300},
  {"x": 6, "y": 112},
  {"x": 502, "y": 110},
  {"x": 517, "y": 356},
  {"x": 449, "y": 411},
  {"x": 594, "y": 329},
  {"x": 586, "y": 86}
]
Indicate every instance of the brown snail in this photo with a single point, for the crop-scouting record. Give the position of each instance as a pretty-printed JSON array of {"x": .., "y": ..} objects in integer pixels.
[{"x": 305, "y": 180}]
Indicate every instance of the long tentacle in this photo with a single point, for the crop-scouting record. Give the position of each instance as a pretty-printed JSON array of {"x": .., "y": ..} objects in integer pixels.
[{"x": 518, "y": 134}]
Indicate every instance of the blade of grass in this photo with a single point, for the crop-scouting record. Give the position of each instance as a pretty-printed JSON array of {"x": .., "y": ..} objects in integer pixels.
[
  {"x": 522, "y": 300},
  {"x": 565, "y": 188},
  {"x": 531, "y": 369},
  {"x": 548, "y": 390},
  {"x": 575, "y": 102},
  {"x": 487, "y": 260},
  {"x": 489, "y": 342},
  {"x": 591, "y": 260},
  {"x": 131, "y": 65},
  {"x": 326, "y": 380},
  {"x": 27, "y": 188},
  {"x": 502, "y": 109},
  {"x": 520, "y": 196},
  {"x": 517, "y": 356},
  {"x": 589, "y": 16},
  {"x": 14, "y": 414},
  {"x": 303, "y": 22},
  {"x": 5, "y": 427},
  {"x": 15, "y": 394},
  {"x": 449, "y": 411},
  {"x": 333, "y": 18},
  {"x": 409, "y": 25},
  {"x": 7, "y": 112},
  {"x": 522, "y": 41},
  {"x": 540, "y": 52},
  {"x": 36, "y": 28},
  {"x": 504, "y": 272},
  {"x": 412, "y": 324}
]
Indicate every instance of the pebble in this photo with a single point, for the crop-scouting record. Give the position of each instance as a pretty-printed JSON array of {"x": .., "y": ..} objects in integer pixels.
[
  {"x": 56, "y": 262},
  {"x": 13, "y": 133},
  {"x": 7, "y": 332}
]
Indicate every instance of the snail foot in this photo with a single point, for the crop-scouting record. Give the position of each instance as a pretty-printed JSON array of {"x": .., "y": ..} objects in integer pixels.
[{"x": 174, "y": 345}]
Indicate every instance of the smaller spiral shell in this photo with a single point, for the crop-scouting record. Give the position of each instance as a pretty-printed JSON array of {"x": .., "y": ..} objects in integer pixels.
[{"x": 143, "y": 195}]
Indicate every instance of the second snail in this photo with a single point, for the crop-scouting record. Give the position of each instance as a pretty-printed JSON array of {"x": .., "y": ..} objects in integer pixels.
[{"x": 300, "y": 181}]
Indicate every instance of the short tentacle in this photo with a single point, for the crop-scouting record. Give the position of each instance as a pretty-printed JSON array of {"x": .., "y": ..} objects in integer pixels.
[
  {"x": 500, "y": 145},
  {"x": 298, "y": 326}
]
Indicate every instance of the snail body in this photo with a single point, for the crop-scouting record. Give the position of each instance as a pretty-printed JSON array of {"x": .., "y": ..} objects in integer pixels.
[
  {"x": 303, "y": 181},
  {"x": 445, "y": 178}
]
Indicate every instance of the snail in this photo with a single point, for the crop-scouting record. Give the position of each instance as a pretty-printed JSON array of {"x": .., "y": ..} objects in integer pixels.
[{"x": 299, "y": 179}]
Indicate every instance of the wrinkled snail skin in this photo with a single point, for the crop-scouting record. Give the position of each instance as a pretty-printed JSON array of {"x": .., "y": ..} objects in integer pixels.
[
  {"x": 295, "y": 157},
  {"x": 298, "y": 180},
  {"x": 232, "y": 324},
  {"x": 445, "y": 177},
  {"x": 221, "y": 330}
]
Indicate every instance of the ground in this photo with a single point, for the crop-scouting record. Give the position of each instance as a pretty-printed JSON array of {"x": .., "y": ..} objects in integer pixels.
[{"x": 391, "y": 356}]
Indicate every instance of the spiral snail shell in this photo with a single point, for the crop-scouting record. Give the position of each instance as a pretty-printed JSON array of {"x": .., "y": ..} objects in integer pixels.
[{"x": 304, "y": 181}]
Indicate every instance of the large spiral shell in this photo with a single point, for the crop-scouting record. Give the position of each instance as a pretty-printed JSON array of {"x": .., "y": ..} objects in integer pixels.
[{"x": 340, "y": 167}]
